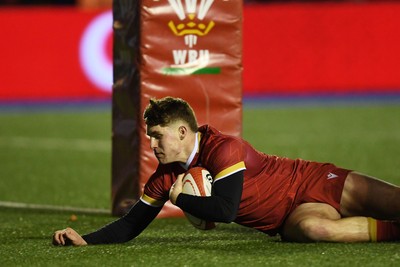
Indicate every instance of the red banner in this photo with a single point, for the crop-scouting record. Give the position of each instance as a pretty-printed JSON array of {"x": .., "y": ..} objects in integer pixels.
[
  {"x": 55, "y": 53},
  {"x": 321, "y": 48},
  {"x": 66, "y": 53}
]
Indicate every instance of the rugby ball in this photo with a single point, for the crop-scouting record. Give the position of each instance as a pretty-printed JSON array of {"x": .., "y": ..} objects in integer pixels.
[{"x": 198, "y": 182}]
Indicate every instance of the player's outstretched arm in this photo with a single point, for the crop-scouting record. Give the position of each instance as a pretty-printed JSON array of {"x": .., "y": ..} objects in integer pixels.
[
  {"x": 121, "y": 230},
  {"x": 68, "y": 236}
]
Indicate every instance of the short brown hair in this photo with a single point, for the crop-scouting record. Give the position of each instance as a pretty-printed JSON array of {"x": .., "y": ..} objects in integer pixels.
[{"x": 169, "y": 109}]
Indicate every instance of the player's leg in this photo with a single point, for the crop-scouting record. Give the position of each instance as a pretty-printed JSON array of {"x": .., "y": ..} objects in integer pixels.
[
  {"x": 367, "y": 196},
  {"x": 312, "y": 222},
  {"x": 363, "y": 198},
  {"x": 380, "y": 201}
]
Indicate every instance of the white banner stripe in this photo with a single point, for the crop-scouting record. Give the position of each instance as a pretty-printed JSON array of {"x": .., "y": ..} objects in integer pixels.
[
  {"x": 19, "y": 205},
  {"x": 56, "y": 143}
]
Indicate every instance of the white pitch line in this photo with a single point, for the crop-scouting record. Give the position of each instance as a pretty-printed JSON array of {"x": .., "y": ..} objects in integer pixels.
[
  {"x": 9, "y": 204},
  {"x": 56, "y": 143}
]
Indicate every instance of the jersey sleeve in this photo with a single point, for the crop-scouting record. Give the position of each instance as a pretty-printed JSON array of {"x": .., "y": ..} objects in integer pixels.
[
  {"x": 125, "y": 228},
  {"x": 154, "y": 193},
  {"x": 156, "y": 190},
  {"x": 225, "y": 157}
]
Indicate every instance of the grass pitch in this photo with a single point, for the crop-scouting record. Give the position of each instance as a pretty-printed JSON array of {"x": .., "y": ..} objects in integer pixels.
[{"x": 63, "y": 159}]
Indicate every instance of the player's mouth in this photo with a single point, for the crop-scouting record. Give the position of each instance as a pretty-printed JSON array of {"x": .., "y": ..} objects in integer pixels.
[{"x": 158, "y": 154}]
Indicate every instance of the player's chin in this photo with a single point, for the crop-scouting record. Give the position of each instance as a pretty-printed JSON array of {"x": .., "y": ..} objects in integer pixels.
[{"x": 163, "y": 160}]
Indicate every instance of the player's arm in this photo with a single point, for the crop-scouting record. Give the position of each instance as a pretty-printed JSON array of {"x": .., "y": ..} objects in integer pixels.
[
  {"x": 122, "y": 230},
  {"x": 127, "y": 227},
  {"x": 222, "y": 206}
]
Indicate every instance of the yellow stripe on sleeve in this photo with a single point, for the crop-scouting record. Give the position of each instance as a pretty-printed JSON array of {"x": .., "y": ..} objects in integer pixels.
[
  {"x": 230, "y": 170},
  {"x": 372, "y": 229},
  {"x": 151, "y": 201}
]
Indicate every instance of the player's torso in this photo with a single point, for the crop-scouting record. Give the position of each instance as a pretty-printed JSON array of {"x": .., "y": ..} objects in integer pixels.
[{"x": 270, "y": 182}]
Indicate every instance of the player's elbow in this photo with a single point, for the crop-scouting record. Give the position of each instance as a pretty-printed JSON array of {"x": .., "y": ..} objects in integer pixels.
[
  {"x": 228, "y": 219},
  {"x": 228, "y": 213}
]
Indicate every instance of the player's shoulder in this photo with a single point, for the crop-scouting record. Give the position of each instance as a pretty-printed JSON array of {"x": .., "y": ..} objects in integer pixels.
[
  {"x": 210, "y": 133},
  {"x": 215, "y": 144},
  {"x": 214, "y": 139}
]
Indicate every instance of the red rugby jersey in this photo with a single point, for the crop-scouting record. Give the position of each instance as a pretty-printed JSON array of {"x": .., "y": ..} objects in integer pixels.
[{"x": 270, "y": 182}]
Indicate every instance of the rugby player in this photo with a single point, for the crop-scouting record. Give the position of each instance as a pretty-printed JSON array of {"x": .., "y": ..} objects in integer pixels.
[{"x": 302, "y": 201}]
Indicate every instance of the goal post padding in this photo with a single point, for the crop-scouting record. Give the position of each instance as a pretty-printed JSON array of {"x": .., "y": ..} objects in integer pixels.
[{"x": 187, "y": 49}]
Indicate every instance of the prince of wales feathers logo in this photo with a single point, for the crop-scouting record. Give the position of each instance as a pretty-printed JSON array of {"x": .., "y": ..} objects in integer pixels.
[{"x": 191, "y": 26}]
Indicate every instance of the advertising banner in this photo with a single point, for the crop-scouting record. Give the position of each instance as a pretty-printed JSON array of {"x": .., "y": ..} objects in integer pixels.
[
  {"x": 321, "y": 49},
  {"x": 65, "y": 54},
  {"x": 52, "y": 54},
  {"x": 192, "y": 50}
]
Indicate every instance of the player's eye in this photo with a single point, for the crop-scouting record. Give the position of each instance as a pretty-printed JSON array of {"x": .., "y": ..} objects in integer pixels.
[
  {"x": 154, "y": 135},
  {"x": 157, "y": 136}
]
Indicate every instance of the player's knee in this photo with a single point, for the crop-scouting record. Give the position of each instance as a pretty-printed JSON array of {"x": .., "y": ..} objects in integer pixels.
[{"x": 314, "y": 230}]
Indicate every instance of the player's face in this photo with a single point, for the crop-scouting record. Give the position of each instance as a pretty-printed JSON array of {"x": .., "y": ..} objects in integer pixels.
[{"x": 166, "y": 143}]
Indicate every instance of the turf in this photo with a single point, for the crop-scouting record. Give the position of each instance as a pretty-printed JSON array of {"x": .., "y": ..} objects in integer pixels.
[
  {"x": 53, "y": 158},
  {"x": 173, "y": 242},
  {"x": 63, "y": 158}
]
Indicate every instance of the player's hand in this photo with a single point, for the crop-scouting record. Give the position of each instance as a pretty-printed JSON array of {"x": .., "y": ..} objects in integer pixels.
[
  {"x": 68, "y": 236},
  {"x": 176, "y": 189}
]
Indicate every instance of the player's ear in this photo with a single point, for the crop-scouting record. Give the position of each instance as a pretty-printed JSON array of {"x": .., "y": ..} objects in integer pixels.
[{"x": 182, "y": 132}]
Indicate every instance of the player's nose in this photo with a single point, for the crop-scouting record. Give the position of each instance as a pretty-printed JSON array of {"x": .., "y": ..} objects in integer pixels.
[{"x": 153, "y": 143}]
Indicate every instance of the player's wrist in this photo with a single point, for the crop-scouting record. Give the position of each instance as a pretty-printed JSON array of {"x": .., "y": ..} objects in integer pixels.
[
  {"x": 173, "y": 196},
  {"x": 178, "y": 199}
]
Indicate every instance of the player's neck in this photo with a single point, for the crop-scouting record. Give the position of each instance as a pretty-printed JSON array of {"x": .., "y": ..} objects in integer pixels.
[{"x": 191, "y": 148}]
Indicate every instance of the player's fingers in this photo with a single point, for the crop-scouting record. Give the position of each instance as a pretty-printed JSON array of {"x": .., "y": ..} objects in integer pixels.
[
  {"x": 58, "y": 238},
  {"x": 176, "y": 183},
  {"x": 55, "y": 240},
  {"x": 63, "y": 237},
  {"x": 176, "y": 189},
  {"x": 179, "y": 179}
]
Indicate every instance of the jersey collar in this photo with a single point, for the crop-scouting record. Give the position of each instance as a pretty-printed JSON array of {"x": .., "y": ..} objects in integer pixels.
[{"x": 194, "y": 151}]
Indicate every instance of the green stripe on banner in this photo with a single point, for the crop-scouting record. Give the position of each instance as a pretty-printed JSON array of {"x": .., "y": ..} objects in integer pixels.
[{"x": 191, "y": 71}]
